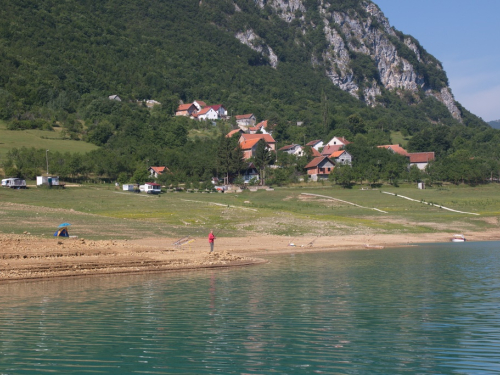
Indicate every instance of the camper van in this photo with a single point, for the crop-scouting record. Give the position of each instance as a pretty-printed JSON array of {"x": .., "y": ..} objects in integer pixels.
[{"x": 14, "y": 183}]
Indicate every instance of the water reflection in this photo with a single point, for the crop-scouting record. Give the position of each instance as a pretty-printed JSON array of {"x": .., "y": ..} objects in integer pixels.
[{"x": 419, "y": 310}]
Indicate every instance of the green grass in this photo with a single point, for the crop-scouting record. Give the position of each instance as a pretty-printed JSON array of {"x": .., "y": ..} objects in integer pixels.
[
  {"x": 104, "y": 212},
  {"x": 49, "y": 140},
  {"x": 398, "y": 138}
]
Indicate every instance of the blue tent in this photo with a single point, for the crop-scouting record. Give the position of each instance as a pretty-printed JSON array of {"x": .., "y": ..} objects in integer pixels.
[{"x": 62, "y": 230}]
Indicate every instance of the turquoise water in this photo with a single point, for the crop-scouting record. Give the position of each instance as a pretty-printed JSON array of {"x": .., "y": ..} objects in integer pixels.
[{"x": 431, "y": 309}]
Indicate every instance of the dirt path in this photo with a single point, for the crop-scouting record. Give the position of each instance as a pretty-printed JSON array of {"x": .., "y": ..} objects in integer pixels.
[{"x": 29, "y": 257}]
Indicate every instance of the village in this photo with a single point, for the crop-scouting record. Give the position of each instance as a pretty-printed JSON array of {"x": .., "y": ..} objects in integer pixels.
[{"x": 324, "y": 155}]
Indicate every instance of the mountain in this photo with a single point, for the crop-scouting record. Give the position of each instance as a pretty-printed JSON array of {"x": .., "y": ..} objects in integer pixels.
[
  {"x": 494, "y": 124},
  {"x": 353, "y": 43},
  {"x": 337, "y": 68},
  {"x": 249, "y": 55}
]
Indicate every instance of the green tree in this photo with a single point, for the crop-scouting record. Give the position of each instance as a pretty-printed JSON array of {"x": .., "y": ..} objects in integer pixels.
[{"x": 262, "y": 158}]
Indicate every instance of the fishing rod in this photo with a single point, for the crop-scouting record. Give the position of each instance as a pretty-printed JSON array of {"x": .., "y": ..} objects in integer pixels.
[{"x": 220, "y": 229}]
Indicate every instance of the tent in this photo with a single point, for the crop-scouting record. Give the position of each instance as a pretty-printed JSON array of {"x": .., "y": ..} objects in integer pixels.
[{"x": 62, "y": 230}]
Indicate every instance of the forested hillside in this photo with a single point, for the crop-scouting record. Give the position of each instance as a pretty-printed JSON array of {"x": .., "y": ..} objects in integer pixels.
[{"x": 61, "y": 60}]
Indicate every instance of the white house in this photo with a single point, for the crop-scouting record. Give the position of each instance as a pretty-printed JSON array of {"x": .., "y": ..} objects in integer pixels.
[
  {"x": 293, "y": 149},
  {"x": 206, "y": 113},
  {"x": 338, "y": 141},
  {"x": 157, "y": 171},
  {"x": 316, "y": 144},
  {"x": 261, "y": 126},
  {"x": 221, "y": 111},
  {"x": 115, "y": 97},
  {"x": 421, "y": 159}
]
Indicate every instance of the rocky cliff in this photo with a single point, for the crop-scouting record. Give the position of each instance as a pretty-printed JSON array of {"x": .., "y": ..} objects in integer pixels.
[{"x": 360, "y": 52}]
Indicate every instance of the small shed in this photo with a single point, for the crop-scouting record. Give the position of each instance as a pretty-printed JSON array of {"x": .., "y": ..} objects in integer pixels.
[
  {"x": 47, "y": 180},
  {"x": 128, "y": 187}
]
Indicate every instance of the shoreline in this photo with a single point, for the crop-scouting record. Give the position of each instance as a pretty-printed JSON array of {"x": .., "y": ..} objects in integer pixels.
[{"x": 30, "y": 258}]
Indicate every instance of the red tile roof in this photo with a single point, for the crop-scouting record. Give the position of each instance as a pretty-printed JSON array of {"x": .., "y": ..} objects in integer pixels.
[
  {"x": 328, "y": 150},
  {"x": 421, "y": 157},
  {"x": 203, "y": 111},
  {"x": 313, "y": 143},
  {"x": 336, "y": 154},
  {"x": 316, "y": 161},
  {"x": 184, "y": 107},
  {"x": 216, "y": 107},
  {"x": 395, "y": 148},
  {"x": 315, "y": 152},
  {"x": 242, "y": 117},
  {"x": 289, "y": 147},
  {"x": 262, "y": 124},
  {"x": 247, "y": 145},
  {"x": 343, "y": 140},
  {"x": 233, "y": 132},
  {"x": 201, "y": 103},
  {"x": 159, "y": 169},
  {"x": 266, "y": 137}
]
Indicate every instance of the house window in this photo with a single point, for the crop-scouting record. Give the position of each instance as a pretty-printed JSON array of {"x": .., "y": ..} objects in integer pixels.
[{"x": 328, "y": 169}]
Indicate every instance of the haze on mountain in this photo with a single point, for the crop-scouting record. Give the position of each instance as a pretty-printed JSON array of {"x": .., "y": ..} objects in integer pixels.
[{"x": 337, "y": 67}]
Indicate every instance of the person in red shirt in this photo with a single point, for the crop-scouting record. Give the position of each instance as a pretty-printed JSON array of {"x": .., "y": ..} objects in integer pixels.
[{"x": 211, "y": 239}]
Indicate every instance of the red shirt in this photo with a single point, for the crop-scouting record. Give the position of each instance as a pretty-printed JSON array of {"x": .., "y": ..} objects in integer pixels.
[{"x": 211, "y": 237}]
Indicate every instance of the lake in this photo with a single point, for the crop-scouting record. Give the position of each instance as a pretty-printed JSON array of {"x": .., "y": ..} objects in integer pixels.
[{"x": 424, "y": 309}]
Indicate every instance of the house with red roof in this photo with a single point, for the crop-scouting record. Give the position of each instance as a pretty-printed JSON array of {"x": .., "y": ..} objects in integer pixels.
[
  {"x": 316, "y": 144},
  {"x": 320, "y": 168},
  {"x": 293, "y": 149},
  {"x": 221, "y": 111},
  {"x": 248, "y": 143},
  {"x": 397, "y": 149},
  {"x": 245, "y": 121},
  {"x": 261, "y": 126},
  {"x": 186, "y": 110},
  {"x": 156, "y": 171},
  {"x": 315, "y": 152},
  {"x": 421, "y": 159},
  {"x": 341, "y": 157},
  {"x": 206, "y": 113},
  {"x": 233, "y": 132},
  {"x": 328, "y": 150},
  {"x": 338, "y": 141}
]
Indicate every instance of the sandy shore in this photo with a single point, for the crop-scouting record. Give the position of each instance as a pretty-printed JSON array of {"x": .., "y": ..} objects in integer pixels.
[{"x": 27, "y": 257}]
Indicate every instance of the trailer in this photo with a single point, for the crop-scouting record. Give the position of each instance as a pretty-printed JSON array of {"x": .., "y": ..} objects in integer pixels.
[
  {"x": 150, "y": 188},
  {"x": 14, "y": 183}
]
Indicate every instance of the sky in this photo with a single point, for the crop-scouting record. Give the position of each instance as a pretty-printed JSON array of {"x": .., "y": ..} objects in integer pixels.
[{"x": 465, "y": 36}]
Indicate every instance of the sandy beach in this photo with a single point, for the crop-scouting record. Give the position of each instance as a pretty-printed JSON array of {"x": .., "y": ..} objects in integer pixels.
[{"x": 26, "y": 257}]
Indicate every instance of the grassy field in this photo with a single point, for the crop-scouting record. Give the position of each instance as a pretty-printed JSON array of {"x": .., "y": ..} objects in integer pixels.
[
  {"x": 398, "y": 138},
  {"x": 102, "y": 212},
  {"x": 49, "y": 140}
]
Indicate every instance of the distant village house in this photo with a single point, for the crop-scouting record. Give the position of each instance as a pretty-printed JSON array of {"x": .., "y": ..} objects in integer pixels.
[{"x": 319, "y": 168}]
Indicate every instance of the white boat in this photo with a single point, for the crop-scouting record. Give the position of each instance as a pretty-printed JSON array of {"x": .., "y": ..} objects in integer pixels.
[{"x": 458, "y": 238}]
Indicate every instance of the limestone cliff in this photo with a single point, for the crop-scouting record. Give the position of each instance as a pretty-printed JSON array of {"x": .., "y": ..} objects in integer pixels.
[{"x": 362, "y": 53}]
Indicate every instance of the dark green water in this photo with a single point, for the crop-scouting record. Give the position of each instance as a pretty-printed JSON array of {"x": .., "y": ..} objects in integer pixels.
[{"x": 422, "y": 310}]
